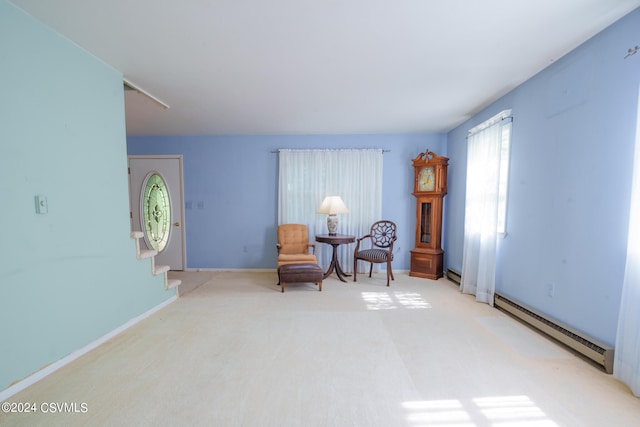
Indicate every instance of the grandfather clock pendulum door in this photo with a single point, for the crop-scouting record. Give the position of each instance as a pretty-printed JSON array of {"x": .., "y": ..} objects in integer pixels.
[{"x": 430, "y": 187}]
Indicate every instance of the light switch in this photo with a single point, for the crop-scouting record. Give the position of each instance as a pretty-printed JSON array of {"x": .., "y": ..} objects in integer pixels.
[{"x": 41, "y": 205}]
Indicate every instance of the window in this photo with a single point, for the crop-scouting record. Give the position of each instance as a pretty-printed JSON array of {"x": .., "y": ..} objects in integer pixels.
[
  {"x": 306, "y": 177},
  {"x": 489, "y": 147}
]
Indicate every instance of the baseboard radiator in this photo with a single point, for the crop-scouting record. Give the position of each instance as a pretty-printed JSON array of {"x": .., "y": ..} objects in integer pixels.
[
  {"x": 454, "y": 276},
  {"x": 587, "y": 346}
]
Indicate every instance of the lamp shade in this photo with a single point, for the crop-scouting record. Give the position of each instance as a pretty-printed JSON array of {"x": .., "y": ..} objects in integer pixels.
[{"x": 332, "y": 205}]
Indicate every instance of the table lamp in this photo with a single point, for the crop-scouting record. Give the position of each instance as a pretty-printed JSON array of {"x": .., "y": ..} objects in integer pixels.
[{"x": 332, "y": 205}]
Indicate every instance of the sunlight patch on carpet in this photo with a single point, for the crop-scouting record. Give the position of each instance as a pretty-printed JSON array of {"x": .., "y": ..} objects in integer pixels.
[
  {"x": 394, "y": 300},
  {"x": 499, "y": 410}
]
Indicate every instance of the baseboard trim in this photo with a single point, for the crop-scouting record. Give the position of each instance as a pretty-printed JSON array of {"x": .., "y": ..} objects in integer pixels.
[{"x": 49, "y": 369}]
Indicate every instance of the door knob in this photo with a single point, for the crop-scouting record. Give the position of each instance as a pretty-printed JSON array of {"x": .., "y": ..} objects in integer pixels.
[{"x": 177, "y": 224}]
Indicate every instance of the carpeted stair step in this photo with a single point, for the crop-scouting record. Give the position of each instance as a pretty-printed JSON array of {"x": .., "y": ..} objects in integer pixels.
[
  {"x": 160, "y": 269},
  {"x": 172, "y": 283}
]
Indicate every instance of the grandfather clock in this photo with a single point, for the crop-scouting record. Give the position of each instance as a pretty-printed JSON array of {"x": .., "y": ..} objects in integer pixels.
[{"x": 430, "y": 187}]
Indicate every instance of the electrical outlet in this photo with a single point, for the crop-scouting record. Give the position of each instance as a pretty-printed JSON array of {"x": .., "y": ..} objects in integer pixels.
[{"x": 551, "y": 290}]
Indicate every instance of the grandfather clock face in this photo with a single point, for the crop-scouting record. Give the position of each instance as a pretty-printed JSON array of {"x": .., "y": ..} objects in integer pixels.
[
  {"x": 156, "y": 212},
  {"x": 426, "y": 179}
]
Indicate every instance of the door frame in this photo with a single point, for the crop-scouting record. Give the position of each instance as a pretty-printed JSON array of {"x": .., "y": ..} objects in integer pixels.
[{"x": 180, "y": 195}]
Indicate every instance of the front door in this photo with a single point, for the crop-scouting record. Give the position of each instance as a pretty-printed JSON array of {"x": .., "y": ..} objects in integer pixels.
[{"x": 155, "y": 199}]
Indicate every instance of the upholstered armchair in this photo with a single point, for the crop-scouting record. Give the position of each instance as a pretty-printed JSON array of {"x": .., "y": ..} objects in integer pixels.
[
  {"x": 293, "y": 245},
  {"x": 381, "y": 238}
]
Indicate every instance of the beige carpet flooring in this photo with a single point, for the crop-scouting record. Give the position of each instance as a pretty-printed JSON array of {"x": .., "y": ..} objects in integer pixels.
[{"x": 237, "y": 352}]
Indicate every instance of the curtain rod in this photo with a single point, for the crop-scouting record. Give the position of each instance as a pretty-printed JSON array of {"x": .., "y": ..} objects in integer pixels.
[
  {"x": 329, "y": 149},
  {"x": 500, "y": 117},
  {"x": 632, "y": 51}
]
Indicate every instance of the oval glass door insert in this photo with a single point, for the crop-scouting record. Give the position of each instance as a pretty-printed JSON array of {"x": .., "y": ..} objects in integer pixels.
[{"x": 156, "y": 211}]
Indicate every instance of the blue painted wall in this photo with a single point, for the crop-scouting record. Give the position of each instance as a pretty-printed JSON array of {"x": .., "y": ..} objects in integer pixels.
[
  {"x": 231, "y": 190},
  {"x": 69, "y": 276},
  {"x": 570, "y": 180}
]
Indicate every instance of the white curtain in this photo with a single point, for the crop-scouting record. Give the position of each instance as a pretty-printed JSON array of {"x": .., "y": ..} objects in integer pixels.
[
  {"x": 626, "y": 365},
  {"x": 481, "y": 209},
  {"x": 306, "y": 177}
]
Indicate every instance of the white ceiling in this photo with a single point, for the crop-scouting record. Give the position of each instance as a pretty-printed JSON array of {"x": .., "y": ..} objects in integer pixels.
[{"x": 322, "y": 66}]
